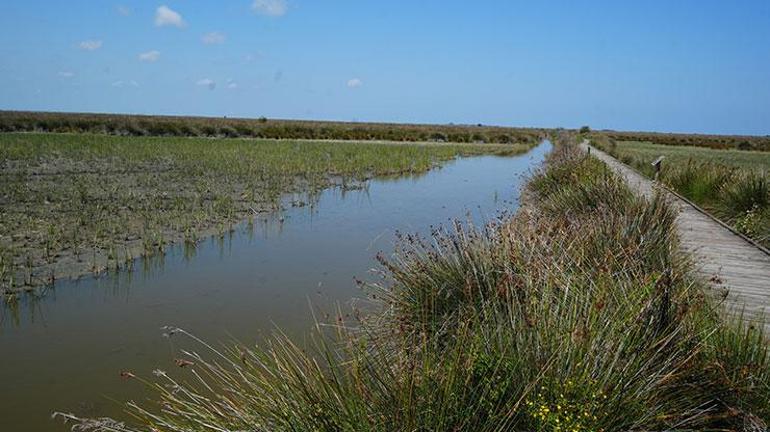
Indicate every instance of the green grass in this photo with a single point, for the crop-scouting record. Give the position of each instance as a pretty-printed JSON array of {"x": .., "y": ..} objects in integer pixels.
[
  {"x": 733, "y": 185},
  {"x": 75, "y": 203},
  {"x": 567, "y": 317}
]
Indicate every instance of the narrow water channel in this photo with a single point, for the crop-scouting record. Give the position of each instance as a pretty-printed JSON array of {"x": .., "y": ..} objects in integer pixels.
[{"x": 65, "y": 352}]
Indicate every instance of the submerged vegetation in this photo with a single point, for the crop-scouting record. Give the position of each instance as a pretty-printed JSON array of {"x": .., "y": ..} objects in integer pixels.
[
  {"x": 577, "y": 314},
  {"x": 733, "y": 185},
  {"x": 74, "y": 204}
]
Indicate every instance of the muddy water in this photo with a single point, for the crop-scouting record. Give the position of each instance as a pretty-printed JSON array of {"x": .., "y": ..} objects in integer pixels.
[{"x": 66, "y": 351}]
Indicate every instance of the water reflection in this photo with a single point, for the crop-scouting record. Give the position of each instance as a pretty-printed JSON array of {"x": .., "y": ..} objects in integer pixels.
[{"x": 65, "y": 351}]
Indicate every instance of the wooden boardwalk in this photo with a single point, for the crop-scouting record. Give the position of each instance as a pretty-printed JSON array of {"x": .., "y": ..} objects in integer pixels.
[{"x": 736, "y": 269}]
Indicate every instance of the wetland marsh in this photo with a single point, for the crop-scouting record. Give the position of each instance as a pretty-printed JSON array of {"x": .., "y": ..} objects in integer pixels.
[
  {"x": 69, "y": 347},
  {"x": 74, "y": 205}
]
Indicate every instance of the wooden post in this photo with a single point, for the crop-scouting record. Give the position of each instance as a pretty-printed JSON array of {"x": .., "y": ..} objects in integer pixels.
[{"x": 657, "y": 164}]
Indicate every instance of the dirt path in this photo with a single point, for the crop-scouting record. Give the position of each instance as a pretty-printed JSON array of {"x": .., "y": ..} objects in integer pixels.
[{"x": 737, "y": 269}]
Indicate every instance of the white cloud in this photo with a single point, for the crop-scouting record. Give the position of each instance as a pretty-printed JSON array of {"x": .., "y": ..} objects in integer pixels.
[
  {"x": 66, "y": 74},
  {"x": 90, "y": 45},
  {"x": 123, "y": 10},
  {"x": 213, "y": 38},
  {"x": 149, "y": 56},
  {"x": 130, "y": 83},
  {"x": 251, "y": 57},
  {"x": 355, "y": 83},
  {"x": 165, "y": 16},
  {"x": 274, "y": 8},
  {"x": 206, "y": 82},
  {"x": 231, "y": 84}
]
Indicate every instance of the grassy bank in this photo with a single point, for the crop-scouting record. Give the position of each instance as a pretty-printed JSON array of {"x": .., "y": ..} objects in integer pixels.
[
  {"x": 142, "y": 125},
  {"x": 733, "y": 185},
  {"x": 578, "y": 314},
  {"x": 73, "y": 204}
]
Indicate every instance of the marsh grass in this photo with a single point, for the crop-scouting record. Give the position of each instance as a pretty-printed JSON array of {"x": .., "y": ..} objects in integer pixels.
[
  {"x": 562, "y": 318},
  {"x": 74, "y": 204},
  {"x": 750, "y": 191}
]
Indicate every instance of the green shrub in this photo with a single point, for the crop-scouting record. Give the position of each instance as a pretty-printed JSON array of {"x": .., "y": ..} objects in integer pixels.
[
  {"x": 228, "y": 132},
  {"x": 208, "y": 130},
  {"x": 437, "y": 136}
]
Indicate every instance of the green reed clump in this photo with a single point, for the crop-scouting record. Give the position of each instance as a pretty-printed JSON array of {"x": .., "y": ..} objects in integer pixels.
[
  {"x": 701, "y": 182},
  {"x": 583, "y": 319},
  {"x": 749, "y": 191},
  {"x": 738, "y": 363},
  {"x": 746, "y": 204},
  {"x": 739, "y": 197},
  {"x": 579, "y": 184}
]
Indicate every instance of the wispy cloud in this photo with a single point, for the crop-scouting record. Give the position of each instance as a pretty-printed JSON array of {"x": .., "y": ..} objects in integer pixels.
[
  {"x": 355, "y": 83},
  {"x": 206, "y": 82},
  {"x": 252, "y": 57},
  {"x": 123, "y": 10},
  {"x": 66, "y": 74},
  {"x": 165, "y": 16},
  {"x": 213, "y": 38},
  {"x": 273, "y": 8},
  {"x": 231, "y": 84},
  {"x": 149, "y": 56},
  {"x": 130, "y": 83},
  {"x": 90, "y": 45}
]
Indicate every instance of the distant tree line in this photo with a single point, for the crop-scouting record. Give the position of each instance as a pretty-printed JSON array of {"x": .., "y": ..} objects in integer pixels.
[
  {"x": 141, "y": 125},
  {"x": 740, "y": 142}
]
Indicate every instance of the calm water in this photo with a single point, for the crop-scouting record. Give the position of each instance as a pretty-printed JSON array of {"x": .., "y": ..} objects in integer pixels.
[{"x": 65, "y": 352}]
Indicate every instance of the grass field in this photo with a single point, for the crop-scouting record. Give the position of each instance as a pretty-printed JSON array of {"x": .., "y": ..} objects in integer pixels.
[
  {"x": 646, "y": 152},
  {"x": 520, "y": 325},
  {"x": 733, "y": 185},
  {"x": 72, "y": 204}
]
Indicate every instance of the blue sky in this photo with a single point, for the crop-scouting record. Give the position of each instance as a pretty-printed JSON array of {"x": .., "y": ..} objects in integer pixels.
[{"x": 689, "y": 66}]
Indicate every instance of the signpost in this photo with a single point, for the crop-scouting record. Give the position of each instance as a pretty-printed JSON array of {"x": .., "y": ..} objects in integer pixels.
[{"x": 656, "y": 164}]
